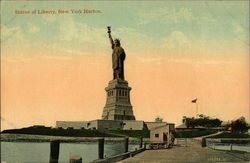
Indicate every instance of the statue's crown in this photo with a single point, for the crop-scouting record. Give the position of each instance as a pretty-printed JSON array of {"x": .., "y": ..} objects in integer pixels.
[{"x": 117, "y": 40}]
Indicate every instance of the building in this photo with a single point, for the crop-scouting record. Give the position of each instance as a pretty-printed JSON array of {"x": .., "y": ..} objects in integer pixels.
[
  {"x": 109, "y": 125},
  {"x": 162, "y": 134}
]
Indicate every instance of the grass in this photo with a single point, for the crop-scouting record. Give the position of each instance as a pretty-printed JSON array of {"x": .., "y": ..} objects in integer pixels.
[
  {"x": 192, "y": 134},
  {"x": 230, "y": 135},
  {"x": 59, "y": 132},
  {"x": 133, "y": 133}
]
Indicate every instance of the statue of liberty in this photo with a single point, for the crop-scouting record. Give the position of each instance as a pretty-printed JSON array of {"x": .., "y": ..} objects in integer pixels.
[{"x": 118, "y": 57}]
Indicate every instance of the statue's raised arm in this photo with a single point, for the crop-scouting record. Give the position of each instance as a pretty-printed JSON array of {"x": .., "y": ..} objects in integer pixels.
[{"x": 110, "y": 38}]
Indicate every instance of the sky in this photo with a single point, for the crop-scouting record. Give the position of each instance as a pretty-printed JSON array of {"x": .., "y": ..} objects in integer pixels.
[{"x": 56, "y": 66}]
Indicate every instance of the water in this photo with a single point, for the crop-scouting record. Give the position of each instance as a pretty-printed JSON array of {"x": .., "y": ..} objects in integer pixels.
[
  {"x": 29, "y": 152},
  {"x": 228, "y": 146}
]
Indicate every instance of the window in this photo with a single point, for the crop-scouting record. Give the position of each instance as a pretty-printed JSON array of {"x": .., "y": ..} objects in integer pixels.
[
  {"x": 126, "y": 93},
  {"x": 157, "y": 135},
  {"x": 120, "y": 93}
]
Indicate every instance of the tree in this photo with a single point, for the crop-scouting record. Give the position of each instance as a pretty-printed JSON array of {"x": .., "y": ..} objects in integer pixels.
[
  {"x": 158, "y": 119},
  {"x": 239, "y": 126},
  {"x": 203, "y": 121},
  {"x": 189, "y": 122}
]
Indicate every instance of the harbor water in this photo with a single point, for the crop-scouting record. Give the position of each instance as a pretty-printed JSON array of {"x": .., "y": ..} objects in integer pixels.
[{"x": 35, "y": 152}]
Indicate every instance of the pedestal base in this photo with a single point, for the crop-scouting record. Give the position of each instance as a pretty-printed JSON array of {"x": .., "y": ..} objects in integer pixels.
[{"x": 118, "y": 106}]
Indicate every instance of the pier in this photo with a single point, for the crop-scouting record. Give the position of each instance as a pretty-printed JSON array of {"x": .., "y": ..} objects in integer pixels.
[{"x": 190, "y": 152}]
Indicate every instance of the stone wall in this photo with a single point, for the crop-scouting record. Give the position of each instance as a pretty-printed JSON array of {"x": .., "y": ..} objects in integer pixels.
[
  {"x": 71, "y": 124},
  {"x": 111, "y": 125},
  {"x": 133, "y": 125}
]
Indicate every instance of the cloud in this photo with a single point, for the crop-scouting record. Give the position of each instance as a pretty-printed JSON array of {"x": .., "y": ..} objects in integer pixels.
[
  {"x": 71, "y": 30},
  {"x": 206, "y": 18},
  {"x": 135, "y": 41},
  {"x": 240, "y": 33},
  {"x": 86, "y": 37},
  {"x": 131, "y": 35},
  {"x": 89, "y": 34},
  {"x": 11, "y": 34},
  {"x": 67, "y": 28},
  {"x": 49, "y": 18},
  {"x": 14, "y": 43},
  {"x": 177, "y": 40},
  {"x": 166, "y": 15},
  {"x": 237, "y": 27},
  {"x": 33, "y": 29}
]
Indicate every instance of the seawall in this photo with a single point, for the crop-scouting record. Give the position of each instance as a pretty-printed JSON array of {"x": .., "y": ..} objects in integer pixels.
[{"x": 45, "y": 138}]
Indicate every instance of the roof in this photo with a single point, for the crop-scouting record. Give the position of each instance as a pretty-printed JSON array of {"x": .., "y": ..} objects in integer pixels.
[
  {"x": 159, "y": 127},
  {"x": 181, "y": 126}
]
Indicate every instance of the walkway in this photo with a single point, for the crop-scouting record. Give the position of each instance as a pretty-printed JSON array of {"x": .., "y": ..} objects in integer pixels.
[{"x": 192, "y": 153}]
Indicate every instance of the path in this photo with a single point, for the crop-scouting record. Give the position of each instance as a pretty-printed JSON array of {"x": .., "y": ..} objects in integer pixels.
[
  {"x": 205, "y": 136},
  {"x": 192, "y": 153}
]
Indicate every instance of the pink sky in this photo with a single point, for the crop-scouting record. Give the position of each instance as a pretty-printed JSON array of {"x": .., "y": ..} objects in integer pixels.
[{"x": 42, "y": 91}]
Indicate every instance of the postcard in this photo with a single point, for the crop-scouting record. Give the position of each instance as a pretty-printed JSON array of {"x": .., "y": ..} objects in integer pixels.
[{"x": 77, "y": 71}]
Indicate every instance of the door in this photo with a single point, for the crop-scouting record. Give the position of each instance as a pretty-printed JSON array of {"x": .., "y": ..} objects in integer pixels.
[{"x": 165, "y": 137}]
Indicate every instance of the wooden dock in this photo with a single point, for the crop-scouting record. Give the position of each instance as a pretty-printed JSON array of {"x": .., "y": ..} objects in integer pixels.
[{"x": 191, "y": 152}]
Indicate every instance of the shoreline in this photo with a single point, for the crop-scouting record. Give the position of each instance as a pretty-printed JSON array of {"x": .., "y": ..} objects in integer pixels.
[{"x": 65, "y": 139}]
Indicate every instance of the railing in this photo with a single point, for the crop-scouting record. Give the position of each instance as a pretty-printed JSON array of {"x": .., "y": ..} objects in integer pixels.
[{"x": 228, "y": 146}]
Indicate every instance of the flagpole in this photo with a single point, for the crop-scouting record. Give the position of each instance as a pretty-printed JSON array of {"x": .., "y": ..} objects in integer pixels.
[
  {"x": 196, "y": 109},
  {"x": 196, "y": 103}
]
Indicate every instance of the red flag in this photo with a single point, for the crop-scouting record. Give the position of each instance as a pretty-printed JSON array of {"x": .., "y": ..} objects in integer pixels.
[{"x": 194, "y": 101}]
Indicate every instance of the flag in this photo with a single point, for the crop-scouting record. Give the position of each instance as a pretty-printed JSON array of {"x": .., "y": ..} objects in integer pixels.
[{"x": 194, "y": 101}]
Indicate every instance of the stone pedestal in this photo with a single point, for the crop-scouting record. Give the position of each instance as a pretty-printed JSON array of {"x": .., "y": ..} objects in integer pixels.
[{"x": 118, "y": 106}]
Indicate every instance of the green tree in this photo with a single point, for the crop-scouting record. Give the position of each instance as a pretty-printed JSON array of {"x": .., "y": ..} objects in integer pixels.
[
  {"x": 189, "y": 122},
  {"x": 239, "y": 126},
  {"x": 202, "y": 120}
]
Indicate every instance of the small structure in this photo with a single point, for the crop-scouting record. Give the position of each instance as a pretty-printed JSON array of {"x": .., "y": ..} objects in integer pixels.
[{"x": 162, "y": 136}]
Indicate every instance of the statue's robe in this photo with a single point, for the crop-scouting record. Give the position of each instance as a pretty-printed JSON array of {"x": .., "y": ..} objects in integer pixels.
[{"x": 118, "y": 57}]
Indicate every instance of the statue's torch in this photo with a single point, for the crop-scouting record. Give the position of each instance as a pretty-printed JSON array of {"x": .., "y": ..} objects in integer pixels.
[{"x": 109, "y": 29}]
